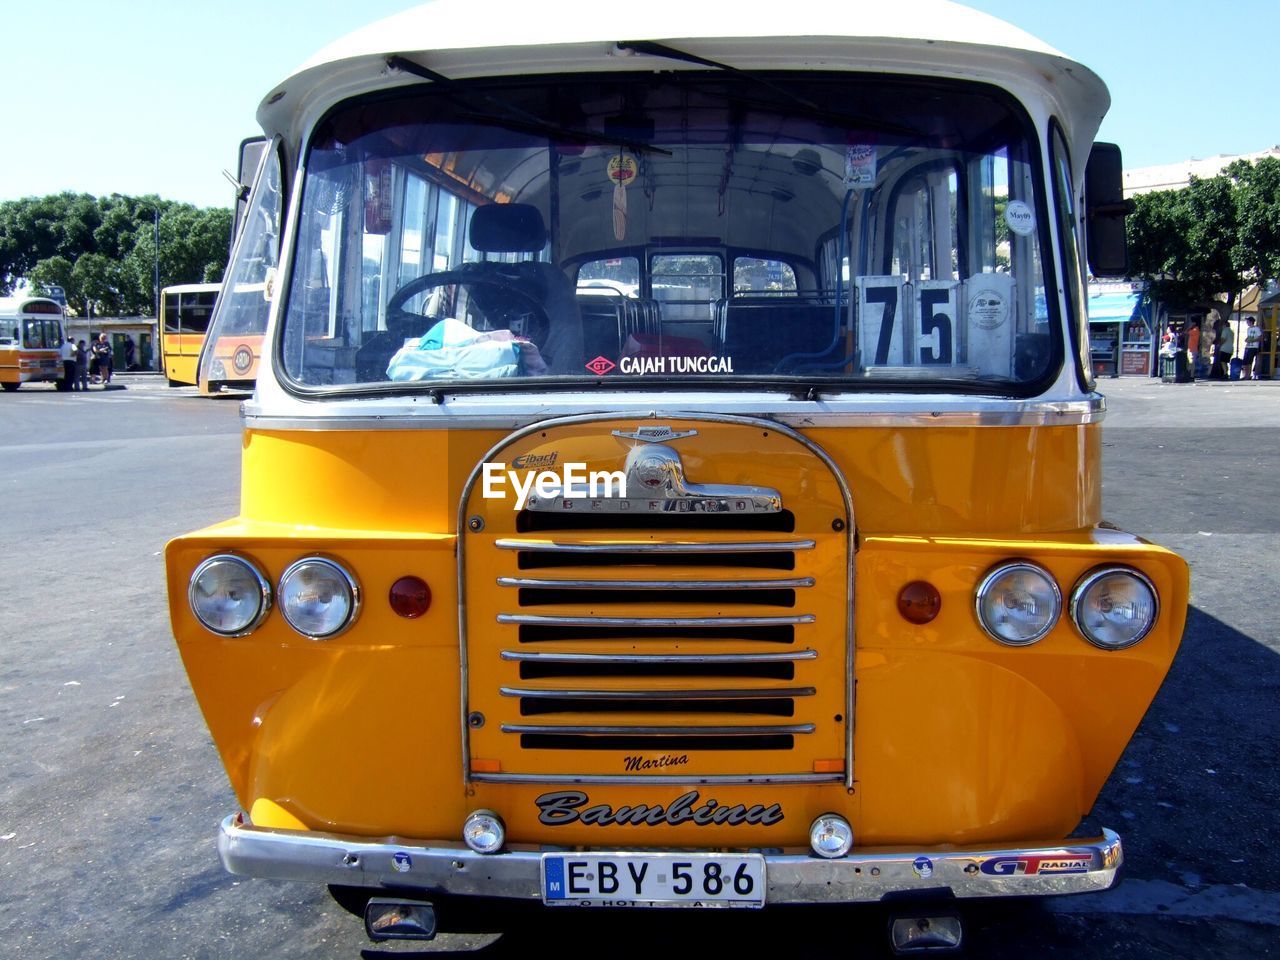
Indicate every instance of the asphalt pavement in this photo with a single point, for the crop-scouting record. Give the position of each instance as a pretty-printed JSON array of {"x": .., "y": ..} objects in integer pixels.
[{"x": 111, "y": 789}]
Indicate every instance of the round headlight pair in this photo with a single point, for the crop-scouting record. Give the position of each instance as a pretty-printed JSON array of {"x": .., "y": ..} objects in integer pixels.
[
  {"x": 1113, "y": 607},
  {"x": 231, "y": 597}
]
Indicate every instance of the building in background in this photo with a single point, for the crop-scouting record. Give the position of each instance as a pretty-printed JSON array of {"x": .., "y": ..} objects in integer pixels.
[{"x": 1175, "y": 176}]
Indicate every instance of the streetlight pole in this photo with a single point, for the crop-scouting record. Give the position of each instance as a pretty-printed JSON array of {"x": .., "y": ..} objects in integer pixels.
[{"x": 155, "y": 290}]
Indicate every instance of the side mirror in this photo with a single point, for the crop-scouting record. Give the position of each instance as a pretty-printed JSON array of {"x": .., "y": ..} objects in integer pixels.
[
  {"x": 1105, "y": 210},
  {"x": 251, "y": 151}
]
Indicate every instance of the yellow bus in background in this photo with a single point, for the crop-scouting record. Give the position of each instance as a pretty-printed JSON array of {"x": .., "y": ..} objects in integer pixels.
[
  {"x": 30, "y": 333},
  {"x": 185, "y": 311}
]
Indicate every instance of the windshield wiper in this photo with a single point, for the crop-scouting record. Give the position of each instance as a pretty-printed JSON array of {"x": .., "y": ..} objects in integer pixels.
[
  {"x": 518, "y": 118},
  {"x": 653, "y": 49}
]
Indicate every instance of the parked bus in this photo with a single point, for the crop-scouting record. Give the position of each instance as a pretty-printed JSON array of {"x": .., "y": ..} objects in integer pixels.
[
  {"x": 185, "y": 311},
  {"x": 30, "y": 333},
  {"x": 768, "y": 569}
]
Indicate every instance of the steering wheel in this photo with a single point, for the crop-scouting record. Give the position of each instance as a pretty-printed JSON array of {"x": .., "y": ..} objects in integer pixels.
[{"x": 502, "y": 298}]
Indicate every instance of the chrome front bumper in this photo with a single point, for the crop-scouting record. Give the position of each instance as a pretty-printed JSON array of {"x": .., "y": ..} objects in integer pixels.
[{"x": 793, "y": 877}]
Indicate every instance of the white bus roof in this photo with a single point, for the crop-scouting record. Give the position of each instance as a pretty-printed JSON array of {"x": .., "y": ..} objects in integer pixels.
[
  {"x": 472, "y": 38},
  {"x": 193, "y": 288},
  {"x": 12, "y": 306}
]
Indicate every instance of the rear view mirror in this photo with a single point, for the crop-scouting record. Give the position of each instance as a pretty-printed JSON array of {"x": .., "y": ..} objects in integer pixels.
[
  {"x": 251, "y": 151},
  {"x": 1105, "y": 210}
]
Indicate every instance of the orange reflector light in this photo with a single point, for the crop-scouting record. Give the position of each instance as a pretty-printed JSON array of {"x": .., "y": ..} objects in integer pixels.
[
  {"x": 828, "y": 766},
  {"x": 919, "y": 602},
  {"x": 485, "y": 766},
  {"x": 410, "y": 597}
]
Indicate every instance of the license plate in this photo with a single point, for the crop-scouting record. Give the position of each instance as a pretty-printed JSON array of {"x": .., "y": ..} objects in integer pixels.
[{"x": 653, "y": 880}]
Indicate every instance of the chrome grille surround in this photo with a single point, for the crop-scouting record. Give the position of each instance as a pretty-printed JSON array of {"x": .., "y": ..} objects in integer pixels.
[{"x": 574, "y": 545}]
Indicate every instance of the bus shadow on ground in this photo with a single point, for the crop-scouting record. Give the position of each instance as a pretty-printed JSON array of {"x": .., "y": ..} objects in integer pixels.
[{"x": 1193, "y": 798}]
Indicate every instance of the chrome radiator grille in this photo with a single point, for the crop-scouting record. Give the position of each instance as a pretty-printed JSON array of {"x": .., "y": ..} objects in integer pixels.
[{"x": 613, "y": 698}]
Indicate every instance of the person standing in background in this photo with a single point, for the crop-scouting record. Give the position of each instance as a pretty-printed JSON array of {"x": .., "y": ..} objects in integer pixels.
[
  {"x": 82, "y": 365},
  {"x": 67, "y": 351},
  {"x": 1252, "y": 343},
  {"x": 1193, "y": 346},
  {"x": 102, "y": 354},
  {"x": 1224, "y": 346}
]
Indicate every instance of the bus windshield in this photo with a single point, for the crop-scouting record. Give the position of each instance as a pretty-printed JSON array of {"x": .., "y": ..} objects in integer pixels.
[{"x": 869, "y": 232}]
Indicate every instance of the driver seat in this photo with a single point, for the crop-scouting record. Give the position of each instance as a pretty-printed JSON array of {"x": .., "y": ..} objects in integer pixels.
[{"x": 519, "y": 228}]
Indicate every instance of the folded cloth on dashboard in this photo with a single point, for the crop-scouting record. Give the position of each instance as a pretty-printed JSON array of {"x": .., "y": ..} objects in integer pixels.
[{"x": 451, "y": 350}]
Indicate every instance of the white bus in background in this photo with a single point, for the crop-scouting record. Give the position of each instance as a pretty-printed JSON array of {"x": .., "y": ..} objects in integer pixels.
[{"x": 30, "y": 334}]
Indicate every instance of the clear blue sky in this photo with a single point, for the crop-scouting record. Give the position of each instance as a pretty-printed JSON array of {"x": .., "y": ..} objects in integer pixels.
[{"x": 154, "y": 97}]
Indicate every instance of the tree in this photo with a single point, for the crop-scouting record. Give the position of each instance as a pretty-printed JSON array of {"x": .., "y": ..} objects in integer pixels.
[
  {"x": 54, "y": 271},
  {"x": 44, "y": 239},
  {"x": 1212, "y": 238},
  {"x": 1257, "y": 193}
]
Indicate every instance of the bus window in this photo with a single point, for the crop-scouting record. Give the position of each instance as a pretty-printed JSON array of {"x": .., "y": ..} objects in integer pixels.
[
  {"x": 616, "y": 274},
  {"x": 755, "y": 275}
]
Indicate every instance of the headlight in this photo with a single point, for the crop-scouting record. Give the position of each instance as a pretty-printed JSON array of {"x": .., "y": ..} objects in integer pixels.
[
  {"x": 1114, "y": 607},
  {"x": 318, "y": 598},
  {"x": 1018, "y": 603},
  {"x": 484, "y": 832},
  {"x": 830, "y": 836},
  {"x": 228, "y": 595}
]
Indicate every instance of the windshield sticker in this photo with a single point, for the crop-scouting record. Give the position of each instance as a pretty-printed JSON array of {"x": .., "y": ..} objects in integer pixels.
[
  {"x": 860, "y": 166},
  {"x": 1020, "y": 218},
  {"x": 664, "y": 365},
  {"x": 988, "y": 309},
  {"x": 600, "y": 366}
]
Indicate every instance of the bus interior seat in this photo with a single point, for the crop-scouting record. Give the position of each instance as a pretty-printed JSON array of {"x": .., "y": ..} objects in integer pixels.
[
  {"x": 758, "y": 333},
  {"x": 519, "y": 228}
]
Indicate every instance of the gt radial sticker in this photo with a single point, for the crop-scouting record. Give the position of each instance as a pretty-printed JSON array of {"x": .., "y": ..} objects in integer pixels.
[
  {"x": 600, "y": 366},
  {"x": 1037, "y": 866}
]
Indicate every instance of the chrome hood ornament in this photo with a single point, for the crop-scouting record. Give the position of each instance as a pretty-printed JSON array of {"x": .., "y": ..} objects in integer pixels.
[{"x": 655, "y": 482}]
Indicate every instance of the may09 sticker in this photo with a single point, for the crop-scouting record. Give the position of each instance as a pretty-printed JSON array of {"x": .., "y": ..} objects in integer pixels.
[{"x": 1020, "y": 218}]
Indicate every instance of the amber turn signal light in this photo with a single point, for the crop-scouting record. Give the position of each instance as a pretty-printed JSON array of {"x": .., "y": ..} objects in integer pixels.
[
  {"x": 410, "y": 597},
  {"x": 919, "y": 602}
]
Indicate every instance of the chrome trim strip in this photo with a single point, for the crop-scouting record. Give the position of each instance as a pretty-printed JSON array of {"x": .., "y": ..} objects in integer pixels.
[
  {"x": 756, "y": 421},
  {"x": 529, "y": 619},
  {"x": 796, "y": 582},
  {"x": 680, "y": 658},
  {"x": 508, "y": 412},
  {"x": 792, "y": 874},
  {"x": 770, "y": 693},
  {"x": 614, "y": 546},
  {"x": 759, "y": 730},
  {"x": 629, "y": 779}
]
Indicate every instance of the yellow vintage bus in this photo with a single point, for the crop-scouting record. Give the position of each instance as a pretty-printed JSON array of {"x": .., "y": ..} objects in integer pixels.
[
  {"x": 185, "y": 311},
  {"x": 30, "y": 333},
  {"x": 673, "y": 476}
]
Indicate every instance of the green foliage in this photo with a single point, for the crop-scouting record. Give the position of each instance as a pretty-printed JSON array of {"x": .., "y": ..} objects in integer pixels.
[
  {"x": 1216, "y": 236},
  {"x": 102, "y": 251}
]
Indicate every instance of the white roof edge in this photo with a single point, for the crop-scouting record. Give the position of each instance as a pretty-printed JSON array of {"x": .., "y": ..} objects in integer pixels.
[
  {"x": 452, "y": 25},
  {"x": 922, "y": 37}
]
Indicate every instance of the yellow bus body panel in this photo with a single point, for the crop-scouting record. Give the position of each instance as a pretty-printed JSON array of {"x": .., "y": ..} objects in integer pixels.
[{"x": 956, "y": 738}]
